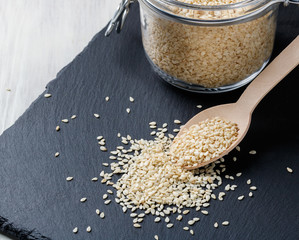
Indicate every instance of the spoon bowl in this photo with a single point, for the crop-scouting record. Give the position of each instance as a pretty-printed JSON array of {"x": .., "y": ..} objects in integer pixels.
[{"x": 241, "y": 111}]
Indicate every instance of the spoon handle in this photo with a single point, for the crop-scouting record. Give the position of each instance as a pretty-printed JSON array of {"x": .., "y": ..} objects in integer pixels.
[{"x": 284, "y": 63}]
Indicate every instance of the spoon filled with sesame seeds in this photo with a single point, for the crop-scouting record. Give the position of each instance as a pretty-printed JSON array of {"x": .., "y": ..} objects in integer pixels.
[{"x": 214, "y": 132}]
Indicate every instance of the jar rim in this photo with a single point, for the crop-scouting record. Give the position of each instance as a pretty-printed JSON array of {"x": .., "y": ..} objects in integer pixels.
[{"x": 250, "y": 9}]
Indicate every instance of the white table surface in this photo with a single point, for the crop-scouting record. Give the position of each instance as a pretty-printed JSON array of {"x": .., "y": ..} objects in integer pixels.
[{"x": 37, "y": 39}]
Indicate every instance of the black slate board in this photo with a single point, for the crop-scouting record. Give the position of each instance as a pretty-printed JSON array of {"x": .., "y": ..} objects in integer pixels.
[{"x": 36, "y": 202}]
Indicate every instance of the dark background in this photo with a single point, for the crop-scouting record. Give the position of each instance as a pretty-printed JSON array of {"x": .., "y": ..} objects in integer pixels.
[{"x": 36, "y": 202}]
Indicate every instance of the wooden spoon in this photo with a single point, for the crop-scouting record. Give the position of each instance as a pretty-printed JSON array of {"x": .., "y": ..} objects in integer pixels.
[{"x": 241, "y": 111}]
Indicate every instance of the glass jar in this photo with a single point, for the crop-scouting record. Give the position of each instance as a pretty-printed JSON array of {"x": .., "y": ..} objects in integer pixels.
[{"x": 205, "y": 48}]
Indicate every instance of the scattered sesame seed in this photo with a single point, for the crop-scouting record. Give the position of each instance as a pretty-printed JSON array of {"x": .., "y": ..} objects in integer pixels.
[
  {"x": 196, "y": 219},
  {"x": 107, "y": 99},
  {"x": 109, "y": 191},
  {"x": 131, "y": 99},
  {"x": 186, "y": 212},
  {"x": 215, "y": 225},
  {"x": 94, "y": 179},
  {"x": 57, "y": 128},
  {"x": 57, "y": 154},
  {"x": 238, "y": 148},
  {"x": 65, "y": 120},
  {"x": 156, "y": 237},
  {"x": 169, "y": 225},
  {"x": 69, "y": 179},
  {"x": 98, "y": 211},
  {"x": 105, "y": 164},
  {"x": 250, "y": 194},
  {"x": 83, "y": 199},
  {"x": 136, "y": 225},
  {"x": 191, "y": 232},
  {"x": 191, "y": 222},
  {"x": 167, "y": 220},
  {"x": 290, "y": 170},
  {"x": 204, "y": 212},
  {"x": 103, "y": 149},
  {"x": 239, "y": 174},
  {"x": 199, "y": 106},
  {"x": 107, "y": 202},
  {"x": 234, "y": 159},
  {"x": 73, "y": 117},
  {"x": 248, "y": 181},
  {"x": 88, "y": 229},
  {"x": 47, "y": 95},
  {"x": 99, "y": 138},
  {"x": 75, "y": 230},
  {"x": 186, "y": 228},
  {"x": 225, "y": 223},
  {"x": 177, "y": 121},
  {"x": 157, "y": 219},
  {"x": 252, "y": 152},
  {"x": 96, "y": 115},
  {"x": 253, "y": 188},
  {"x": 179, "y": 217},
  {"x": 241, "y": 197},
  {"x": 102, "y": 215},
  {"x": 128, "y": 110},
  {"x": 176, "y": 130},
  {"x": 133, "y": 215},
  {"x": 105, "y": 196}
]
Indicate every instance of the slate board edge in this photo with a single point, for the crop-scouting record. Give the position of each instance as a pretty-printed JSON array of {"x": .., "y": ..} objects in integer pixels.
[{"x": 7, "y": 227}]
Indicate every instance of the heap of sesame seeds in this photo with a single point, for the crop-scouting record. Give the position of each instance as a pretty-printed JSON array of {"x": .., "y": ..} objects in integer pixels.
[{"x": 204, "y": 141}]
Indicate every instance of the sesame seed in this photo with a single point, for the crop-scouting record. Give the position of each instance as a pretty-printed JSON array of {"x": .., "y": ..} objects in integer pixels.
[
  {"x": 98, "y": 211},
  {"x": 65, "y": 120},
  {"x": 107, "y": 99},
  {"x": 96, "y": 115},
  {"x": 69, "y": 179},
  {"x": 157, "y": 219},
  {"x": 290, "y": 170},
  {"x": 250, "y": 194},
  {"x": 196, "y": 219},
  {"x": 128, "y": 110},
  {"x": 252, "y": 152},
  {"x": 191, "y": 222},
  {"x": 75, "y": 230},
  {"x": 179, "y": 217},
  {"x": 156, "y": 237},
  {"x": 57, "y": 154},
  {"x": 186, "y": 212},
  {"x": 191, "y": 232},
  {"x": 105, "y": 196},
  {"x": 83, "y": 200},
  {"x": 248, "y": 181},
  {"x": 73, "y": 117},
  {"x": 131, "y": 99},
  {"x": 204, "y": 212},
  {"x": 199, "y": 106},
  {"x": 102, "y": 215},
  {"x": 169, "y": 225},
  {"x": 186, "y": 228},
  {"x": 133, "y": 215},
  {"x": 94, "y": 179},
  {"x": 105, "y": 164},
  {"x": 177, "y": 121},
  {"x": 137, "y": 225},
  {"x": 109, "y": 191},
  {"x": 103, "y": 149},
  {"x": 176, "y": 130},
  {"x": 107, "y": 202},
  {"x": 253, "y": 188},
  {"x": 47, "y": 95},
  {"x": 153, "y": 126},
  {"x": 225, "y": 223},
  {"x": 234, "y": 159},
  {"x": 241, "y": 197},
  {"x": 215, "y": 225},
  {"x": 88, "y": 229},
  {"x": 57, "y": 128},
  {"x": 239, "y": 174},
  {"x": 238, "y": 148},
  {"x": 167, "y": 220}
]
